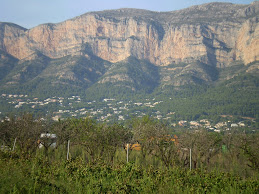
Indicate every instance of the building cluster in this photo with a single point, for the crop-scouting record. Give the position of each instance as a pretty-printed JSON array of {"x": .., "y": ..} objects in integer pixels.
[
  {"x": 205, "y": 123},
  {"x": 21, "y": 100},
  {"x": 108, "y": 110},
  {"x": 74, "y": 106}
]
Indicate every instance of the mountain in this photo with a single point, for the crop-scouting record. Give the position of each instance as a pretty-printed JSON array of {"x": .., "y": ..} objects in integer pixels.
[
  {"x": 215, "y": 33},
  {"x": 129, "y": 52}
]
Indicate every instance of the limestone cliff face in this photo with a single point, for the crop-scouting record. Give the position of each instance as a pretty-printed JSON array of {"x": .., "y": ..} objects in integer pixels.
[
  {"x": 215, "y": 34},
  {"x": 9, "y": 34},
  {"x": 248, "y": 41}
]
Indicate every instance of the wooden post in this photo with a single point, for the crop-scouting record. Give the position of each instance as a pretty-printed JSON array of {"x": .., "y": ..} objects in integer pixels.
[
  {"x": 14, "y": 144},
  {"x": 68, "y": 149},
  {"x": 190, "y": 159},
  {"x": 127, "y": 152}
]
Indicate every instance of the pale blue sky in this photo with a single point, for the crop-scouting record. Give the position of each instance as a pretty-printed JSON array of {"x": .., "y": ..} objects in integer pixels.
[{"x": 30, "y": 13}]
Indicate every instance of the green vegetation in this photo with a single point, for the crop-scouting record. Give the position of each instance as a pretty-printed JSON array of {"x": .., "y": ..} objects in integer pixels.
[
  {"x": 237, "y": 96},
  {"x": 7, "y": 63},
  {"x": 221, "y": 163}
]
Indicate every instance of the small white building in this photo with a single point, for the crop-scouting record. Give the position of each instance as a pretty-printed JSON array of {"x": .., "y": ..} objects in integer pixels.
[
  {"x": 234, "y": 125},
  {"x": 48, "y": 140},
  {"x": 194, "y": 123},
  {"x": 241, "y": 124}
]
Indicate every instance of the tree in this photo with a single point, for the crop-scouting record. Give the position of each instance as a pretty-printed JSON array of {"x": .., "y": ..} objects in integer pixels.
[
  {"x": 64, "y": 131},
  {"x": 7, "y": 132},
  {"x": 155, "y": 139},
  {"x": 113, "y": 137},
  {"x": 250, "y": 146},
  {"x": 100, "y": 141},
  {"x": 204, "y": 146},
  {"x": 26, "y": 130}
]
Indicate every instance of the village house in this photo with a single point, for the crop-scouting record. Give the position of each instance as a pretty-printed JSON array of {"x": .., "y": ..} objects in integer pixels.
[
  {"x": 182, "y": 123},
  {"x": 220, "y": 124},
  {"x": 194, "y": 123},
  {"x": 234, "y": 125},
  {"x": 241, "y": 124}
]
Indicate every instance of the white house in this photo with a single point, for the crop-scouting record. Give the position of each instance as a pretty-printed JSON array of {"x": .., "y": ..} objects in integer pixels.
[
  {"x": 234, "y": 125},
  {"x": 48, "y": 140}
]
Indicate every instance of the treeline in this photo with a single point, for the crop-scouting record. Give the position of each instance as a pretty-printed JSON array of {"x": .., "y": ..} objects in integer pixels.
[{"x": 101, "y": 141}]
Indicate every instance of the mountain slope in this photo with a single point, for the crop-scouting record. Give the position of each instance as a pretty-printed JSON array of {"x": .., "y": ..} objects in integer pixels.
[
  {"x": 7, "y": 63},
  {"x": 140, "y": 75},
  {"x": 42, "y": 76}
]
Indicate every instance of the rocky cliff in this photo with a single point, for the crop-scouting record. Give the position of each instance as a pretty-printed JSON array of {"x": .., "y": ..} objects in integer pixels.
[{"x": 215, "y": 34}]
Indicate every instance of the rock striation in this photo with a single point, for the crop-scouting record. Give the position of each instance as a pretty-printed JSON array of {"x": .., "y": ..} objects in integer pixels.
[{"x": 215, "y": 34}]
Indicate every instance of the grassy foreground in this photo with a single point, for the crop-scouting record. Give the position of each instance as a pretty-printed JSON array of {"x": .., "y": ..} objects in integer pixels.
[
  {"x": 40, "y": 175},
  {"x": 221, "y": 163}
]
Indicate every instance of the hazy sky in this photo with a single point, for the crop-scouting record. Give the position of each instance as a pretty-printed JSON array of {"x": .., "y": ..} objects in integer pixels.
[{"x": 30, "y": 13}]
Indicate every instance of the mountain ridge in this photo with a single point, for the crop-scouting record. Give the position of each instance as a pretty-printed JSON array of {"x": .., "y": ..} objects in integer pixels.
[
  {"x": 164, "y": 38},
  {"x": 133, "y": 49}
]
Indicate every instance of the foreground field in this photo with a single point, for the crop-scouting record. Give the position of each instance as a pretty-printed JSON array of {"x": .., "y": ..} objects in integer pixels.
[
  {"x": 82, "y": 156},
  {"x": 40, "y": 176}
]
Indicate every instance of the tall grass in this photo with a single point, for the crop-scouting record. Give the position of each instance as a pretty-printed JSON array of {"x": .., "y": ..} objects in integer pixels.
[{"x": 52, "y": 173}]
